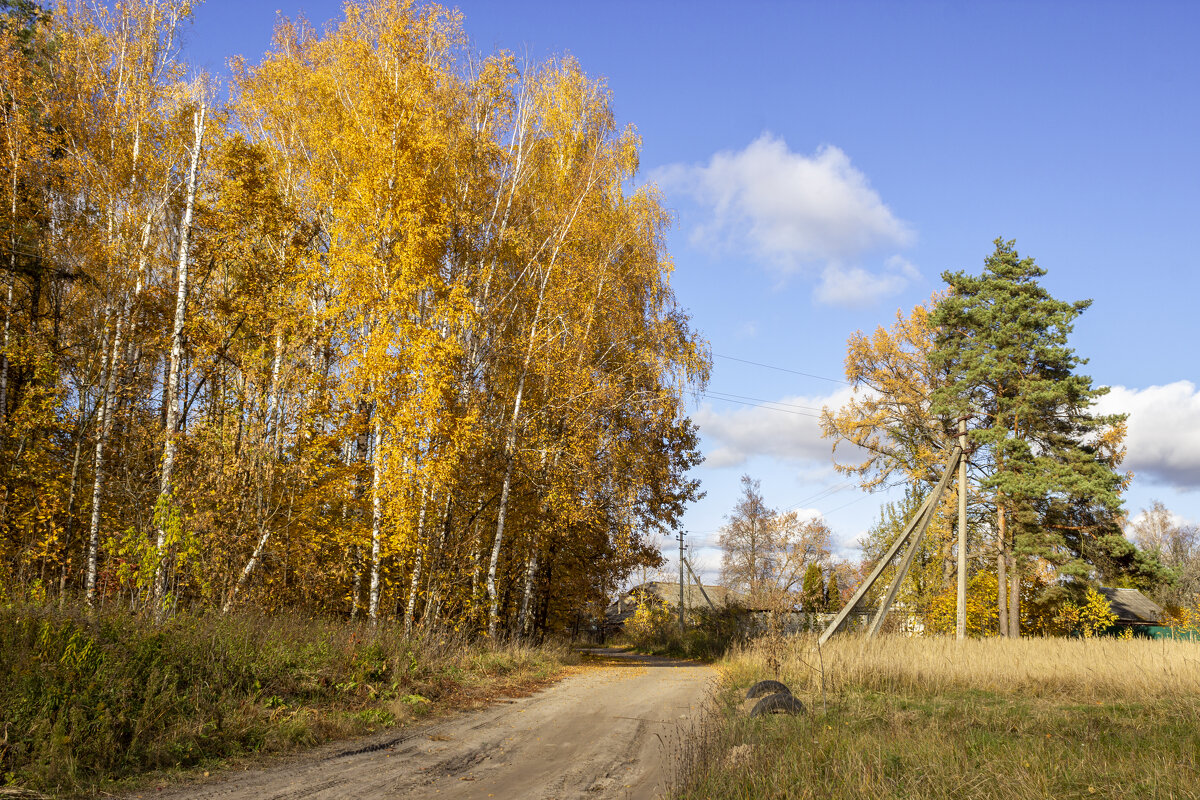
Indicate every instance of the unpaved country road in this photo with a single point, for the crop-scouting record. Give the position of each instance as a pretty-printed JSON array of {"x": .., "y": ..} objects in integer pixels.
[{"x": 607, "y": 732}]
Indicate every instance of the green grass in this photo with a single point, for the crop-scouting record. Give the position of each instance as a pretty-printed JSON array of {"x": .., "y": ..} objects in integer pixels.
[
  {"x": 707, "y": 636},
  {"x": 88, "y": 700},
  {"x": 946, "y": 739}
]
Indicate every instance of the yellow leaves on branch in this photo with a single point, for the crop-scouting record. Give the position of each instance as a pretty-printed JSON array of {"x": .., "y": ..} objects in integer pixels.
[
  {"x": 422, "y": 298},
  {"x": 888, "y": 417}
]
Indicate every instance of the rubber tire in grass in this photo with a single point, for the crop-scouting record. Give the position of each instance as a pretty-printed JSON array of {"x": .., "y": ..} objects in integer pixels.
[
  {"x": 778, "y": 703},
  {"x": 766, "y": 687}
]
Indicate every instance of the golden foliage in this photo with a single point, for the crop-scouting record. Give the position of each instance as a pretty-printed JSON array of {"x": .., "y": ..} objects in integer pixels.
[{"x": 432, "y": 365}]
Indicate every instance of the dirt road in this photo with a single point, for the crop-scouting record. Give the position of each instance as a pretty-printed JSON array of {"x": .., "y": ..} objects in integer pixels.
[{"x": 603, "y": 733}]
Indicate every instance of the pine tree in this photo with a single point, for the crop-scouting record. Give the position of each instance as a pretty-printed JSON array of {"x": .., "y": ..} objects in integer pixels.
[{"x": 1049, "y": 462}]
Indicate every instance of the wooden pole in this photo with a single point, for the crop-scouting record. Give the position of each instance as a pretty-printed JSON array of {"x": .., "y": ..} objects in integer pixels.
[
  {"x": 906, "y": 562},
  {"x": 960, "y": 624},
  {"x": 681, "y": 630},
  {"x": 866, "y": 585},
  {"x": 901, "y": 571},
  {"x": 696, "y": 578}
]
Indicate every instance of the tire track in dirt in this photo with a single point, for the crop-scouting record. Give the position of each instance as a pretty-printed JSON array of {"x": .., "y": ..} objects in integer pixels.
[{"x": 607, "y": 732}]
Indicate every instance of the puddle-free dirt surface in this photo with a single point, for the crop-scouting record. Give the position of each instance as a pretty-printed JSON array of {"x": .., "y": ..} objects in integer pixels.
[{"x": 609, "y": 731}]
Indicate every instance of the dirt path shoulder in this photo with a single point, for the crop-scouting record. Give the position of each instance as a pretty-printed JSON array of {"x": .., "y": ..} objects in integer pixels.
[{"x": 606, "y": 732}]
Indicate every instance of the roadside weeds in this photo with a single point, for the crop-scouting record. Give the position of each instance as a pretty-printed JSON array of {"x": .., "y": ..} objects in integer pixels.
[{"x": 924, "y": 718}]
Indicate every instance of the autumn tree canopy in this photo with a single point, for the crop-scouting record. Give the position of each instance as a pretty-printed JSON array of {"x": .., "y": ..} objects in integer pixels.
[
  {"x": 1046, "y": 486},
  {"x": 381, "y": 330},
  {"x": 768, "y": 555}
]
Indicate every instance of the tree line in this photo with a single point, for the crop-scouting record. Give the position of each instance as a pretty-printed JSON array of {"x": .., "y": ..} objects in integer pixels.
[
  {"x": 1046, "y": 515},
  {"x": 381, "y": 328}
]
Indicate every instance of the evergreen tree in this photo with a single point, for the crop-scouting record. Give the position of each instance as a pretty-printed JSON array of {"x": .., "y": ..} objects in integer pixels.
[
  {"x": 833, "y": 593},
  {"x": 1050, "y": 463},
  {"x": 812, "y": 591}
]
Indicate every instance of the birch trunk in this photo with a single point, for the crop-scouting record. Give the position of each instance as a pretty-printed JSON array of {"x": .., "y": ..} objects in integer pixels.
[
  {"x": 527, "y": 599},
  {"x": 276, "y": 392},
  {"x": 76, "y": 463},
  {"x": 264, "y": 534},
  {"x": 437, "y": 558},
  {"x": 163, "y": 546},
  {"x": 267, "y": 482},
  {"x": 509, "y": 445},
  {"x": 110, "y": 347},
  {"x": 356, "y": 555},
  {"x": 554, "y": 242},
  {"x": 414, "y": 584},
  {"x": 9, "y": 283},
  {"x": 476, "y": 567},
  {"x": 376, "y": 520}
]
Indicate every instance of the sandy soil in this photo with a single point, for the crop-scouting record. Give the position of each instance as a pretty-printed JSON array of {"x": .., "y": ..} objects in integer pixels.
[{"x": 607, "y": 732}]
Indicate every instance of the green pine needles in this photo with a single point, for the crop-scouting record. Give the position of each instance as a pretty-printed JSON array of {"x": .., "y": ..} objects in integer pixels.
[{"x": 1050, "y": 461}]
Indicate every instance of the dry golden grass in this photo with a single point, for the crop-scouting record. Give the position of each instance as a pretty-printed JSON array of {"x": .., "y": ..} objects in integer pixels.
[
  {"x": 1098, "y": 668},
  {"x": 932, "y": 718}
]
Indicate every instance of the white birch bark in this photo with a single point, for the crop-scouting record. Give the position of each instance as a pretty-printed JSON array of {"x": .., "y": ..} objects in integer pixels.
[
  {"x": 264, "y": 534},
  {"x": 266, "y": 484},
  {"x": 509, "y": 446},
  {"x": 511, "y": 439},
  {"x": 275, "y": 395},
  {"x": 163, "y": 547},
  {"x": 531, "y": 567},
  {"x": 376, "y": 521},
  {"x": 109, "y": 349},
  {"x": 415, "y": 583},
  {"x": 9, "y": 283}
]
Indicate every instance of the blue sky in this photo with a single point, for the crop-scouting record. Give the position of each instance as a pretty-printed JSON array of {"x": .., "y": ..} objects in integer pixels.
[{"x": 827, "y": 162}]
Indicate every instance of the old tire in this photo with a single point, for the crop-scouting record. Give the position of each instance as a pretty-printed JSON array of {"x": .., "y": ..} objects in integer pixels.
[
  {"x": 778, "y": 703},
  {"x": 763, "y": 688}
]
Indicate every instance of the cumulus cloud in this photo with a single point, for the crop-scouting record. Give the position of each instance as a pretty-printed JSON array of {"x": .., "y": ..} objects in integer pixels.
[
  {"x": 799, "y": 213},
  {"x": 1164, "y": 431},
  {"x": 856, "y": 287},
  {"x": 738, "y": 434}
]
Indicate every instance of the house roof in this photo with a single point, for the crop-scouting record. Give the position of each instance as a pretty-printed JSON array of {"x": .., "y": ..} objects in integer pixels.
[
  {"x": 1131, "y": 606},
  {"x": 668, "y": 593}
]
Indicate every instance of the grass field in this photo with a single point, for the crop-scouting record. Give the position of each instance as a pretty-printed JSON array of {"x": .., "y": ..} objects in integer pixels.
[
  {"x": 90, "y": 703},
  {"x": 933, "y": 718}
]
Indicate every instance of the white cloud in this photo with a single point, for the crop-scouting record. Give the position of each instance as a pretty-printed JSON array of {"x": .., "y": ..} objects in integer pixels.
[
  {"x": 742, "y": 433},
  {"x": 1164, "y": 431},
  {"x": 706, "y": 561},
  {"x": 856, "y": 287},
  {"x": 798, "y": 213}
]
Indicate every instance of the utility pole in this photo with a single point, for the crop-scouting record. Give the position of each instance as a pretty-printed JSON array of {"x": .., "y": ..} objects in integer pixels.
[
  {"x": 680, "y": 537},
  {"x": 960, "y": 626}
]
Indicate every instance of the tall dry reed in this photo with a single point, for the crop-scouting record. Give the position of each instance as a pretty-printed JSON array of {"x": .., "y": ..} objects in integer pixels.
[{"x": 1096, "y": 668}]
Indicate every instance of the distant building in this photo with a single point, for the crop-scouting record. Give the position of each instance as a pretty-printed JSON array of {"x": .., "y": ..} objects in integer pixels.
[
  {"x": 1133, "y": 610},
  {"x": 666, "y": 595}
]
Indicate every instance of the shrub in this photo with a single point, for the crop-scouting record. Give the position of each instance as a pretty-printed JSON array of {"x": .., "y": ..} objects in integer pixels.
[{"x": 109, "y": 695}]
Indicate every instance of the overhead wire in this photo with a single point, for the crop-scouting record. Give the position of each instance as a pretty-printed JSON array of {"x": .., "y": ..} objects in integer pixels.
[
  {"x": 713, "y": 396},
  {"x": 783, "y": 408},
  {"x": 780, "y": 369},
  {"x": 824, "y": 494},
  {"x": 763, "y": 400}
]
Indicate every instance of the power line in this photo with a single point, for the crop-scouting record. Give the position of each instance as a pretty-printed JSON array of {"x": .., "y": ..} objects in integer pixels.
[
  {"x": 821, "y": 495},
  {"x": 763, "y": 400},
  {"x": 781, "y": 369},
  {"x": 759, "y": 405},
  {"x": 846, "y": 505}
]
